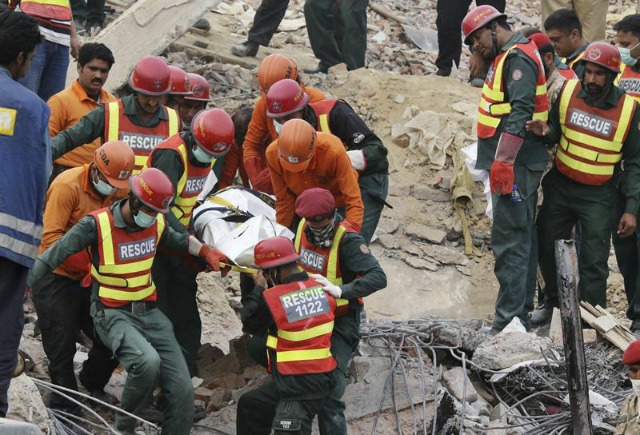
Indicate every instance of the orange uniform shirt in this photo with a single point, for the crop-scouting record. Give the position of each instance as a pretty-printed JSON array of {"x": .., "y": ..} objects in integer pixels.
[
  {"x": 67, "y": 107},
  {"x": 232, "y": 163},
  {"x": 329, "y": 168},
  {"x": 70, "y": 198},
  {"x": 261, "y": 131}
]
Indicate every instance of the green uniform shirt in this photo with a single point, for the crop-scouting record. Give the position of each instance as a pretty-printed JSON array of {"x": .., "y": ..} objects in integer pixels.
[
  {"x": 577, "y": 67},
  {"x": 630, "y": 147},
  {"x": 520, "y": 94},
  {"x": 85, "y": 233},
  {"x": 91, "y": 126}
]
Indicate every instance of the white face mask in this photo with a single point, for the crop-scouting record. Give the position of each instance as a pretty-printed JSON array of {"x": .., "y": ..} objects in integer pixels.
[
  {"x": 143, "y": 220},
  {"x": 277, "y": 126},
  {"x": 202, "y": 156},
  {"x": 625, "y": 56},
  {"x": 104, "y": 188},
  {"x": 635, "y": 384}
]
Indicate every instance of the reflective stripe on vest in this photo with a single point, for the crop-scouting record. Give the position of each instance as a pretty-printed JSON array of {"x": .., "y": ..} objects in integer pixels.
[
  {"x": 592, "y": 138},
  {"x": 191, "y": 182},
  {"x": 125, "y": 259},
  {"x": 323, "y": 109},
  {"x": 629, "y": 81},
  {"x": 328, "y": 257},
  {"x": 304, "y": 316},
  {"x": 493, "y": 105},
  {"x": 119, "y": 127},
  {"x": 573, "y": 62},
  {"x": 56, "y": 10}
]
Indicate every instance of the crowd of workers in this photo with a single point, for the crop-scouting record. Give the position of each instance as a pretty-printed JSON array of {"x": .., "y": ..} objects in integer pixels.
[{"x": 98, "y": 192}]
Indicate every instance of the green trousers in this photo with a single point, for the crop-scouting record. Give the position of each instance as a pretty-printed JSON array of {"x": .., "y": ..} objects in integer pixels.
[
  {"x": 176, "y": 285},
  {"x": 374, "y": 189},
  {"x": 147, "y": 349},
  {"x": 513, "y": 241},
  {"x": 566, "y": 203},
  {"x": 320, "y": 20}
]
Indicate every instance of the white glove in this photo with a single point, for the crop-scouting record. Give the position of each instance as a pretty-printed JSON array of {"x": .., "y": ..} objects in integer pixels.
[
  {"x": 327, "y": 286},
  {"x": 357, "y": 159}
]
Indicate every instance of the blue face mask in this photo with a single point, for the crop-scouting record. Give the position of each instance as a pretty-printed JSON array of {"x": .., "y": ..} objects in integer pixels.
[
  {"x": 143, "y": 220},
  {"x": 202, "y": 156},
  {"x": 277, "y": 126},
  {"x": 625, "y": 56},
  {"x": 104, "y": 188}
]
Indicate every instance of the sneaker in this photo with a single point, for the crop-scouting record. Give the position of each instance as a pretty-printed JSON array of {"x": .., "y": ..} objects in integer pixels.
[
  {"x": 540, "y": 317},
  {"x": 245, "y": 49}
]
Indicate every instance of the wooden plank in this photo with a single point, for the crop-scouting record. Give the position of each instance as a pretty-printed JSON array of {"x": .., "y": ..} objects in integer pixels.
[
  {"x": 146, "y": 28},
  {"x": 612, "y": 336},
  {"x": 605, "y": 323}
]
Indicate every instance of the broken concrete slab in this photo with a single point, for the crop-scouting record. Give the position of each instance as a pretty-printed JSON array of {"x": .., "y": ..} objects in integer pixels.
[
  {"x": 13, "y": 427},
  {"x": 421, "y": 263},
  {"x": 26, "y": 402},
  {"x": 458, "y": 385},
  {"x": 508, "y": 348},
  {"x": 153, "y": 25},
  {"x": 423, "y": 232},
  {"x": 444, "y": 255},
  {"x": 389, "y": 241}
]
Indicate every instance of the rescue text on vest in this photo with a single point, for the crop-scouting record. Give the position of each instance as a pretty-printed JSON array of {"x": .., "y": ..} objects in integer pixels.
[
  {"x": 305, "y": 303},
  {"x": 312, "y": 260},
  {"x": 141, "y": 142},
  {"x": 137, "y": 249},
  {"x": 596, "y": 125},
  {"x": 195, "y": 184}
]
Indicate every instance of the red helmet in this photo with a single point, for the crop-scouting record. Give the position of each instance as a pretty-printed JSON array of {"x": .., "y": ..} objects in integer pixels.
[
  {"x": 477, "y": 18},
  {"x": 213, "y": 131},
  {"x": 603, "y": 54},
  {"x": 199, "y": 87},
  {"x": 179, "y": 81},
  {"x": 151, "y": 76},
  {"x": 274, "y": 252},
  {"x": 541, "y": 40},
  {"x": 153, "y": 188},
  {"x": 285, "y": 97},
  {"x": 274, "y": 68}
]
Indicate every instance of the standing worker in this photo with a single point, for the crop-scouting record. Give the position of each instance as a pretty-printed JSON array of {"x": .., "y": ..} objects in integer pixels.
[
  {"x": 141, "y": 120},
  {"x": 24, "y": 174},
  {"x": 123, "y": 240},
  {"x": 61, "y": 297},
  {"x": 262, "y": 131},
  {"x": 340, "y": 260},
  {"x": 187, "y": 159},
  {"x": 565, "y": 32},
  {"x": 287, "y": 100},
  {"x": 84, "y": 95},
  {"x": 627, "y": 248},
  {"x": 591, "y": 13},
  {"x": 299, "y": 342},
  {"x": 596, "y": 126},
  {"x": 302, "y": 158},
  {"x": 265, "y": 23},
  {"x": 325, "y": 41},
  {"x": 514, "y": 93}
]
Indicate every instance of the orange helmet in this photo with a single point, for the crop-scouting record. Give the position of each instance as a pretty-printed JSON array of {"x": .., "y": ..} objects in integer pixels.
[
  {"x": 115, "y": 160},
  {"x": 199, "y": 88},
  {"x": 179, "y": 81},
  {"x": 153, "y": 188},
  {"x": 603, "y": 54},
  {"x": 151, "y": 76},
  {"x": 213, "y": 130},
  {"x": 285, "y": 97},
  {"x": 477, "y": 18},
  {"x": 296, "y": 145},
  {"x": 273, "y": 252},
  {"x": 274, "y": 68}
]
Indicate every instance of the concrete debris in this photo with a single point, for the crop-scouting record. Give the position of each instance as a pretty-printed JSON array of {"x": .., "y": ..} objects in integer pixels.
[
  {"x": 26, "y": 403},
  {"x": 506, "y": 349},
  {"x": 419, "y": 263},
  {"x": 458, "y": 385},
  {"x": 13, "y": 427},
  {"x": 444, "y": 255},
  {"x": 423, "y": 232},
  {"x": 389, "y": 241}
]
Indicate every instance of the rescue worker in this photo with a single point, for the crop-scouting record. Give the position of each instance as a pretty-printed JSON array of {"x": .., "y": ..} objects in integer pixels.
[
  {"x": 194, "y": 102},
  {"x": 262, "y": 130},
  {"x": 340, "y": 260},
  {"x": 123, "y": 239},
  {"x": 556, "y": 76},
  {"x": 24, "y": 171},
  {"x": 266, "y": 20},
  {"x": 187, "y": 159},
  {"x": 233, "y": 160},
  {"x": 287, "y": 100},
  {"x": 514, "y": 92},
  {"x": 84, "y": 95},
  {"x": 596, "y": 126},
  {"x": 141, "y": 120},
  {"x": 299, "y": 356},
  {"x": 61, "y": 297},
  {"x": 302, "y": 158},
  {"x": 542, "y": 41},
  {"x": 564, "y": 29},
  {"x": 626, "y": 248},
  {"x": 628, "y": 423},
  {"x": 179, "y": 87}
]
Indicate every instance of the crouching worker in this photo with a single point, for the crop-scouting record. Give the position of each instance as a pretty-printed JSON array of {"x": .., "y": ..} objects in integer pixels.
[
  {"x": 300, "y": 360},
  {"x": 628, "y": 423},
  {"x": 123, "y": 239}
]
